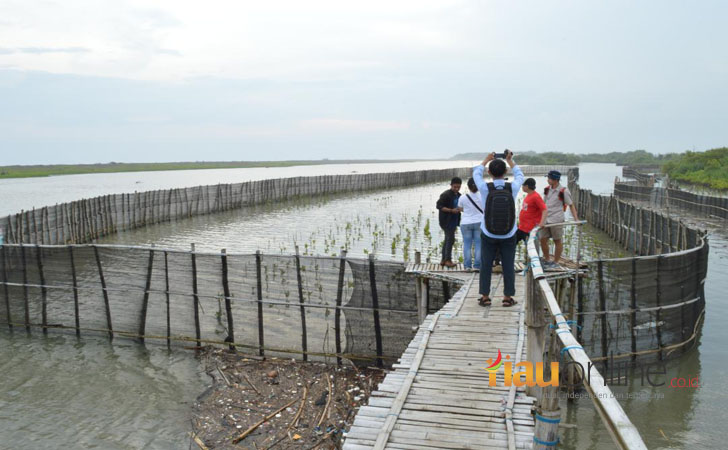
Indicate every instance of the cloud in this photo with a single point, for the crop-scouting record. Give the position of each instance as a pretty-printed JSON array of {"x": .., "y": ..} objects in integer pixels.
[
  {"x": 43, "y": 50},
  {"x": 348, "y": 125}
]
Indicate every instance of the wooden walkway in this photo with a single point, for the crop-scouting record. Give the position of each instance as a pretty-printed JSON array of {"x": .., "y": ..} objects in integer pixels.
[{"x": 438, "y": 395}]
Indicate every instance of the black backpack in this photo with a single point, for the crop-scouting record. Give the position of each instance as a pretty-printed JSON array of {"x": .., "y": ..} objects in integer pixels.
[{"x": 500, "y": 210}]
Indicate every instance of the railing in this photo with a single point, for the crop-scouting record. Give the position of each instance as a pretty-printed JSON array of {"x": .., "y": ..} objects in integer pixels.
[{"x": 623, "y": 432}]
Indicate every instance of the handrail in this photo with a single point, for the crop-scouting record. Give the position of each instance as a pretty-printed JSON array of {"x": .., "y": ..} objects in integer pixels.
[{"x": 623, "y": 432}]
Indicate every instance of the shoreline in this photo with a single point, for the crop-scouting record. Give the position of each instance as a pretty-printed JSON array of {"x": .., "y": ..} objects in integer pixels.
[{"x": 41, "y": 170}]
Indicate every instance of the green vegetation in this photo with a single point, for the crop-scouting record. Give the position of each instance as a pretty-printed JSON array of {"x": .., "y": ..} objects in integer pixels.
[
  {"x": 635, "y": 157},
  {"x": 708, "y": 168},
  {"x": 72, "y": 169}
]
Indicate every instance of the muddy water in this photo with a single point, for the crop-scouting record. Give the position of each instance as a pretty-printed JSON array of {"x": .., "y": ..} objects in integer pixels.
[{"x": 61, "y": 393}]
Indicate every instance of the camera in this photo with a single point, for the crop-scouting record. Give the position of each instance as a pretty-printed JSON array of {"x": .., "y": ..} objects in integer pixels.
[{"x": 503, "y": 155}]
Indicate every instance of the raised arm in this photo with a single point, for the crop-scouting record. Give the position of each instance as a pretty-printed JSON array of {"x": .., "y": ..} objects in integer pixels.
[
  {"x": 478, "y": 173},
  {"x": 517, "y": 173}
]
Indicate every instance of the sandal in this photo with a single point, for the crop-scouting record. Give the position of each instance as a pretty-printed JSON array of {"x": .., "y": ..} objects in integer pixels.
[
  {"x": 484, "y": 301},
  {"x": 508, "y": 302}
]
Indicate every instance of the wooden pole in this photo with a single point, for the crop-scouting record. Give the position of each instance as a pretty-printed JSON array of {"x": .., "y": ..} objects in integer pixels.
[
  {"x": 195, "y": 296},
  {"x": 43, "y": 289},
  {"x": 26, "y": 300},
  {"x": 3, "y": 254},
  {"x": 107, "y": 308},
  {"x": 633, "y": 306},
  {"x": 228, "y": 305},
  {"x": 337, "y": 313},
  {"x": 74, "y": 280},
  {"x": 259, "y": 273},
  {"x": 304, "y": 342},
  {"x": 602, "y": 307},
  {"x": 375, "y": 310},
  {"x": 166, "y": 294},
  {"x": 658, "y": 294},
  {"x": 145, "y": 299},
  {"x": 546, "y": 432},
  {"x": 536, "y": 323}
]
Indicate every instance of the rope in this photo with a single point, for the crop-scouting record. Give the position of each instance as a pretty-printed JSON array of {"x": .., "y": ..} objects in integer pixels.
[{"x": 547, "y": 443}]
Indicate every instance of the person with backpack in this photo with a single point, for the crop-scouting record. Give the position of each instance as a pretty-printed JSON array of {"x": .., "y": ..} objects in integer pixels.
[
  {"x": 449, "y": 218},
  {"x": 498, "y": 226},
  {"x": 472, "y": 206},
  {"x": 557, "y": 199}
]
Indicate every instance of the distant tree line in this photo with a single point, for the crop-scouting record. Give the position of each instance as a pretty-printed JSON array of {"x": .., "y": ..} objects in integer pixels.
[
  {"x": 632, "y": 158},
  {"x": 709, "y": 168}
]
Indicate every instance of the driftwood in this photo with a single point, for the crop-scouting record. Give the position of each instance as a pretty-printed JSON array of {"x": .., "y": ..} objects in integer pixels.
[{"x": 262, "y": 421}]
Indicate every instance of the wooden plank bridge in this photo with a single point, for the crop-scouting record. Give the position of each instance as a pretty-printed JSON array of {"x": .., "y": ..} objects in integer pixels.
[{"x": 438, "y": 394}]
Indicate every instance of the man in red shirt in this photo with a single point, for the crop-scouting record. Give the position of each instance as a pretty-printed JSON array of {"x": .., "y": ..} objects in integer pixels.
[{"x": 533, "y": 211}]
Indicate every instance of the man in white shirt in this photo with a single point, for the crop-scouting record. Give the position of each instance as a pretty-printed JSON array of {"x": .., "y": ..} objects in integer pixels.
[{"x": 499, "y": 224}]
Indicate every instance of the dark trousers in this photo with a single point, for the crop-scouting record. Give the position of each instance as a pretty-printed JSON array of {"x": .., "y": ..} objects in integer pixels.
[
  {"x": 447, "y": 245},
  {"x": 507, "y": 248}
]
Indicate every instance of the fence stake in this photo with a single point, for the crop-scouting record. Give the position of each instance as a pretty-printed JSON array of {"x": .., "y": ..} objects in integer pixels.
[
  {"x": 43, "y": 289},
  {"x": 602, "y": 307},
  {"x": 228, "y": 306},
  {"x": 337, "y": 313},
  {"x": 658, "y": 294},
  {"x": 375, "y": 309},
  {"x": 259, "y": 273},
  {"x": 26, "y": 300},
  {"x": 5, "y": 285},
  {"x": 166, "y": 294},
  {"x": 75, "y": 291},
  {"x": 145, "y": 299},
  {"x": 304, "y": 342},
  {"x": 195, "y": 296},
  {"x": 107, "y": 308}
]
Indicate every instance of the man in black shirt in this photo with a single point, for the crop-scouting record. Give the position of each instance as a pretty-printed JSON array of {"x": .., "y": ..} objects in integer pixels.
[{"x": 449, "y": 218}]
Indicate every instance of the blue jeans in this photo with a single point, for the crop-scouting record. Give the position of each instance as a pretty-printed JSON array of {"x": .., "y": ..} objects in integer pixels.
[
  {"x": 471, "y": 237},
  {"x": 507, "y": 249}
]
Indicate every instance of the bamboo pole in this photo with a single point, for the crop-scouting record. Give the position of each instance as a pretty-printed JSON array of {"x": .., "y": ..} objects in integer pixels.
[
  {"x": 43, "y": 289},
  {"x": 228, "y": 305},
  {"x": 75, "y": 291},
  {"x": 145, "y": 298},
  {"x": 375, "y": 310},
  {"x": 195, "y": 297},
  {"x": 337, "y": 313},
  {"x": 107, "y": 308},
  {"x": 3, "y": 255},
  {"x": 259, "y": 276},
  {"x": 304, "y": 341},
  {"x": 166, "y": 294}
]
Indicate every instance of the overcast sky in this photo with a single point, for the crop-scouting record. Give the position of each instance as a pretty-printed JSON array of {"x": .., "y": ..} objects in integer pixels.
[{"x": 85, "y": 81}]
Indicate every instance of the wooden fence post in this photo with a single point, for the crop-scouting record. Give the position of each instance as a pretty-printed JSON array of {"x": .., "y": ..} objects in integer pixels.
[
  {"x": 337, "y": 313},
  {"x": 259, "y": 273},
  {"x": 145, "y": 299},
  {"x": 107, "y": 308},
  {"x": 375, "y": 310},
  {"x": 228, "y": 306},
  {"x": 546, "y": 432},
  {"x": 43, "y": 289},
  {"x": 3, "y": 254},
  {"x": 195, "y": 295},
  {"x": 166, "y": 295},
  {"x": 299, "y": 280},
  {"x": 536, "y": 323}
]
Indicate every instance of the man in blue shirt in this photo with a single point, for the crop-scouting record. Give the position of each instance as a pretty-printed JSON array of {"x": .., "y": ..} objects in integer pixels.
[{"x": 505, "y": 242}]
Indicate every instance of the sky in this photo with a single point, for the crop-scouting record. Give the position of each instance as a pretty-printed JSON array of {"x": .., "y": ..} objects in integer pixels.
[{"x": 86, "y": 81}]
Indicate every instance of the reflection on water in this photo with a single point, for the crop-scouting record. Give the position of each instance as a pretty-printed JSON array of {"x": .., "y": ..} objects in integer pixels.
[{"x": 61, "y": 392}]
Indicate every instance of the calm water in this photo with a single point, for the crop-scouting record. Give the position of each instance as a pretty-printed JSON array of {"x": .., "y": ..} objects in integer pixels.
[
  {"x": 58, "y": 392},
  {"x": 27, "y": 193}
]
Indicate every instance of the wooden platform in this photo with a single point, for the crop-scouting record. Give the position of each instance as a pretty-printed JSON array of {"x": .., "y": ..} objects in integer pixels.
[{"x": 438, "y": 394}]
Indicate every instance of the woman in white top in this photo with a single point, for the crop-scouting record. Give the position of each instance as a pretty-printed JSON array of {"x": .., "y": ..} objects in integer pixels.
[{"x": 472, "y": 207}]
